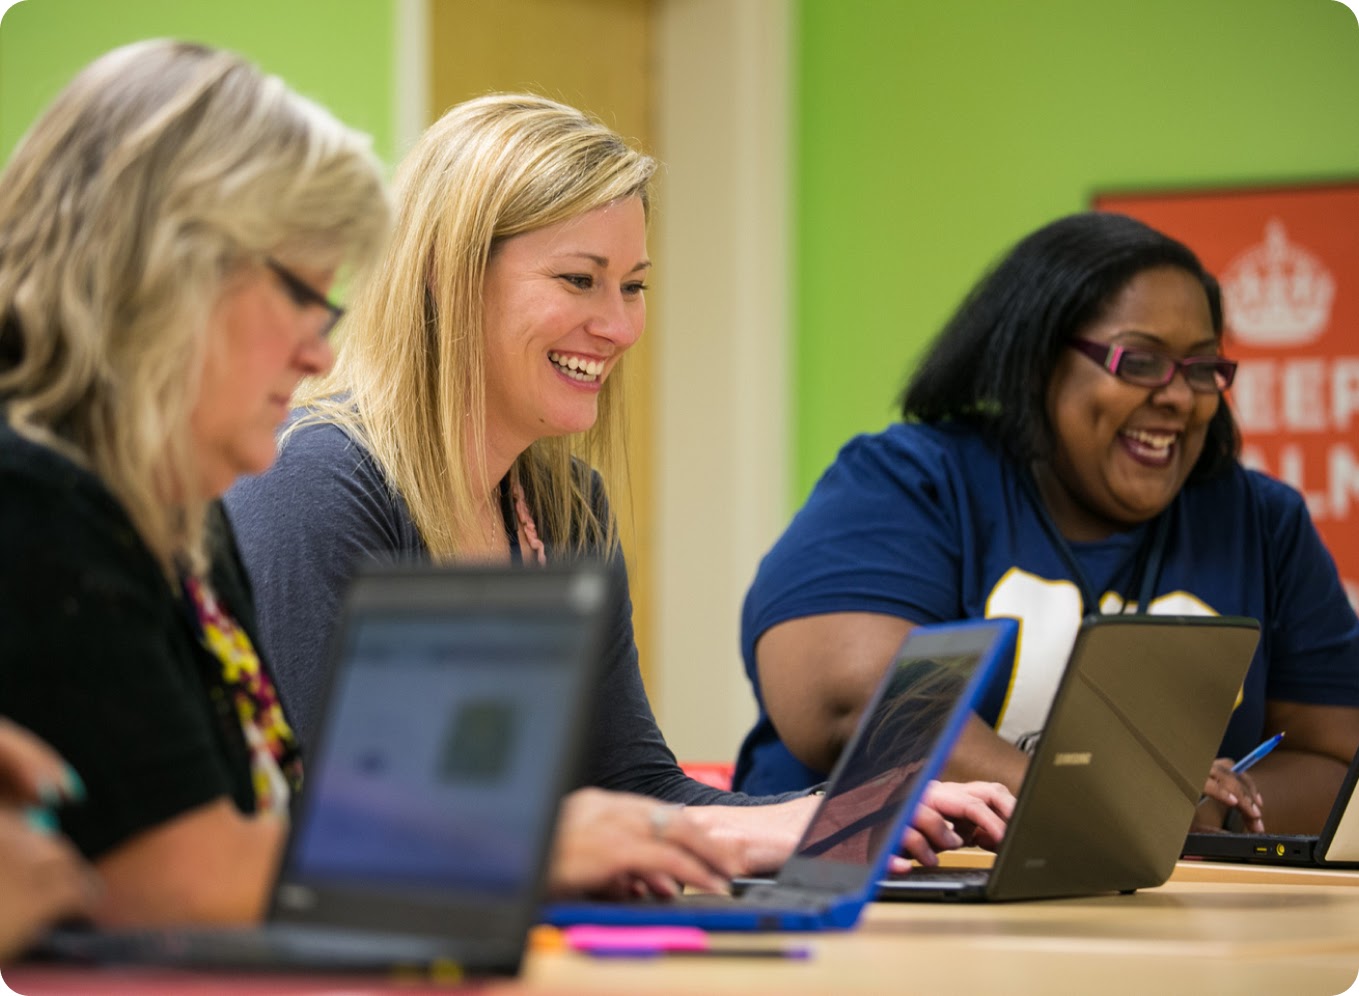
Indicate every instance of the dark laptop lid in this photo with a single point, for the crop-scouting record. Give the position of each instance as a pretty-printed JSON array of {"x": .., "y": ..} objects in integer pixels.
[
  {"x": 1124, "y": 754},
  {"x": 453, "y": 724},
  {"x": 905, "y": 734}
]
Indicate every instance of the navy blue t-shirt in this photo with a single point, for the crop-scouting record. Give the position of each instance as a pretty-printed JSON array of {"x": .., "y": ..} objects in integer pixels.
[{"x": 931, "y": 523}]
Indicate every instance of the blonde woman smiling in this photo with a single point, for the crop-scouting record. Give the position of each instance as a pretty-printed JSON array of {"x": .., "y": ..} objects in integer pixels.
[{"x": 474, "y": 414}]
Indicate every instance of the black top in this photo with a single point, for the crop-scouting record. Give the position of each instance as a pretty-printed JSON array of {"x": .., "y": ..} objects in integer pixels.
[{"x": 100, "y": 656}]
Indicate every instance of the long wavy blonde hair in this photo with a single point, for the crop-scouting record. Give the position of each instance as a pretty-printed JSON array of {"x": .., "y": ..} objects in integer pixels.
[
  {"x": 159, "y": 173},
  {"x": 409, "y": 382}
]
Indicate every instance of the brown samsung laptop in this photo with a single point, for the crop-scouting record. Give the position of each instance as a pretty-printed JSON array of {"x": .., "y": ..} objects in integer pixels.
[{"x": 1133, "y": 730}]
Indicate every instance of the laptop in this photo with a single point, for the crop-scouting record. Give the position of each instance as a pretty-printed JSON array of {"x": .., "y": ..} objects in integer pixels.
[
  {"x": 1113, "y": 782},
  {"x": 906, "y": 731},
  {"x": 454, "y": 719},
  {"x": 1337, "y": 846}
]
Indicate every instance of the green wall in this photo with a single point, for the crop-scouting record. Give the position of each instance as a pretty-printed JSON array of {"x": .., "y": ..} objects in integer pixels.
[
  {"x": 338, "y": 52},
  {"x": 932, "y": 135}
]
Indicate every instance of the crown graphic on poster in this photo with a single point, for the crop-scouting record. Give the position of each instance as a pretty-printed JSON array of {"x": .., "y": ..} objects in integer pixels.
[{"x": 1277, "y": 293}]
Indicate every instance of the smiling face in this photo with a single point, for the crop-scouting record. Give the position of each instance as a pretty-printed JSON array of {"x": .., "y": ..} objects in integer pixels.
[
  {"x": 1123, "y": 452},
  {"x": 260, "y": 342},
  {"x": 562, "y": 305}
]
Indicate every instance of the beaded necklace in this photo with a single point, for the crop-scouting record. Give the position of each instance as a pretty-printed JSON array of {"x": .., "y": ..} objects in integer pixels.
[{"x": 514, "y": 511}]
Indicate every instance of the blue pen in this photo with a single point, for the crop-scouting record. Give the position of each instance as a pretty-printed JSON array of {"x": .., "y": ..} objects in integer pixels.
[
  {"x": 1250, "y": 759},
  {"x": 1256, "y": 755}
]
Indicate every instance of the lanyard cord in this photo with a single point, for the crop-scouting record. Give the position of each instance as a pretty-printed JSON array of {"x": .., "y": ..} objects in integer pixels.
[
  {"x": 1156, "y": 556},
  {"x": 1146, "y": 569}
]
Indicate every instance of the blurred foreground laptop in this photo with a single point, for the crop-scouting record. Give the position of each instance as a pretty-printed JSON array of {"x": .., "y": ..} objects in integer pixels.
[
  {"x": 452, "y": 725},
  {"x": 905, "y": 733},
  {"x": 1119, "y": 768},
  {"x": 1337, "y": 846}
]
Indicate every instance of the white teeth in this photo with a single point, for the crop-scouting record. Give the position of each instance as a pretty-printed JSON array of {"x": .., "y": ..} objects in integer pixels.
[
  {"x": 576, "y": 367},
  {"x": 1157, "y": 440}
]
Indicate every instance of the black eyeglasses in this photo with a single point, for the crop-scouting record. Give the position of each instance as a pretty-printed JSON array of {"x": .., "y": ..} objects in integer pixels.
[
  {"x": 1149, "y": 368},
  {"x": 304, "y": 295}
]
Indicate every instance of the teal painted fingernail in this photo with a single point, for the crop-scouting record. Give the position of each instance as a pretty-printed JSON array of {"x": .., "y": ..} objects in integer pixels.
[
  {"x": 75, "y": 785},
  {"x": 50, "y": 794},
  {"x": 41, "y": 819}
]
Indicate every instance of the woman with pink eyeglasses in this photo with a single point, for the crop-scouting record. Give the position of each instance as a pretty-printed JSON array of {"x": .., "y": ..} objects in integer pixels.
[{"x": 1065, "y": 448}]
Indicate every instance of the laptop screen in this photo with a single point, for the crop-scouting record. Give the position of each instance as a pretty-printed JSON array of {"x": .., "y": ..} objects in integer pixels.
[
  {"x": 890, "y": 751},
  {"x": 438, "y": 765},
  {"x": 918, "y": 710}
]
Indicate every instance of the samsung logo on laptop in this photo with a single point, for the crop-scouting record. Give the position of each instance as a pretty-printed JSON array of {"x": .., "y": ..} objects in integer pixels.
[{"x": 1072, "y": 758}]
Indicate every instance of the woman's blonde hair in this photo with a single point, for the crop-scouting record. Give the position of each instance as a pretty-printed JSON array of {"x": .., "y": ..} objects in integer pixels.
[
  {"x": 159, "y": 173},
  {"x": 410, "y": 380}
]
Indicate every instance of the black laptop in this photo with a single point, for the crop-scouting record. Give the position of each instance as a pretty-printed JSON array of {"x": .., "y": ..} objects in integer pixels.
[
  {"x": 1337, "y": 846},
  {"x": 1120, "y": 765},
  {"x": 453, "y": 723}
]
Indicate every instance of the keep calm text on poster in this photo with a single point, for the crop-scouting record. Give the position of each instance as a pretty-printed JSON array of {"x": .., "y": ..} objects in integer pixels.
[{"x": 1288, "y": 262}]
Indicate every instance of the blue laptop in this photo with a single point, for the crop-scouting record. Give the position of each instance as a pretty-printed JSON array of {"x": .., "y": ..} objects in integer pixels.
[{"x": 902, "y": 741}]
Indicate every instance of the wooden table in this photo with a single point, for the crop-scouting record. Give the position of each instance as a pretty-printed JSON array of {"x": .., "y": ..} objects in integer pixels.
[
  {"x": 1223, "y": 871},
  {"x": 1258, "y": 933},
  {"x": 1184, "y": 937}
]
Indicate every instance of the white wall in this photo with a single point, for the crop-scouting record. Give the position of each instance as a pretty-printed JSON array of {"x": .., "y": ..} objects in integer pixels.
[{"x": 722, "y": 232}]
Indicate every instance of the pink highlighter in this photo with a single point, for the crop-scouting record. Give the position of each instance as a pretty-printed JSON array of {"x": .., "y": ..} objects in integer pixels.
[{"x": 653, "y": 942}]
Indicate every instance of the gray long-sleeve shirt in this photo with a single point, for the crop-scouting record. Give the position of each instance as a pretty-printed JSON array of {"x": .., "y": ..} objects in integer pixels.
[{"x": 321, "y": 510}]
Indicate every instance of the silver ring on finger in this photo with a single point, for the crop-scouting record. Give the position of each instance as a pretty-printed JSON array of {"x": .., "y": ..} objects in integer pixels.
[{"x": 660, "y": 819}]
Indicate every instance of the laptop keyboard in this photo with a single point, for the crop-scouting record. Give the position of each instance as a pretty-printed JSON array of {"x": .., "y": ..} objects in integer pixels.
[
  {"x": 784, "y": 897},
  {"x": 963, "y": 876},
  {"x": 761, "y": 896}
]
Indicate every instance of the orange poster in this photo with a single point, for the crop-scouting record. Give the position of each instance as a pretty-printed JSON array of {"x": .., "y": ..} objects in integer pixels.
[{"x": 1288, "y": 262}]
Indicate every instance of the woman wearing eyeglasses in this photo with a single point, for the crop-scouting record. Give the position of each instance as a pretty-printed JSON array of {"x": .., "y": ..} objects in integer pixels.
[
  {"x": 169, "y": 228},
  {"x": 1064, "y": 449}
]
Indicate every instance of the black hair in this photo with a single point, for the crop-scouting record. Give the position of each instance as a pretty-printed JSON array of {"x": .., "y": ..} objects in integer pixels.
[{"x": 991, "y": 364}]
